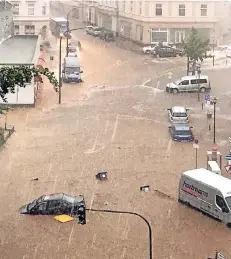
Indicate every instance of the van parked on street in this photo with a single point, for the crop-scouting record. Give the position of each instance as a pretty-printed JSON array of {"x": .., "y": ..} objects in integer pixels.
[
  {"x": 71, "y": 72},
  {"x": 208, "y": 192},
  {"x": 189, "y": 84}
]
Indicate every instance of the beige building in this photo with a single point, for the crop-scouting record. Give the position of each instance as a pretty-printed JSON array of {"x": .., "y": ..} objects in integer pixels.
[
  {"x": 30, "y": 16},
  {"x": 166, "y": 21}
]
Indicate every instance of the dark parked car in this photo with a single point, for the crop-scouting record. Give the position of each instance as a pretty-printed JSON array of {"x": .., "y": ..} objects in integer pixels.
[
  {"x": 107, "y": 35},
  {"x": 181, "y": 132},
  {"x": 54, "y": 204},
  {"x": 166, "y": 51}
]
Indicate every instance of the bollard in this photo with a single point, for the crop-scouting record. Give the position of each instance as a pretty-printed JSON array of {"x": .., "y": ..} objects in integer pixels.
[
  {"x": 209, "y": 127},
  {"x": 202, "y": 106}
]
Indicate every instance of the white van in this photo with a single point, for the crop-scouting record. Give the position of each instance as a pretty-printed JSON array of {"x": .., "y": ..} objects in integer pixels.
[
  {"x": 189, "y": 84},
  {"x": 208, "y": 192}
]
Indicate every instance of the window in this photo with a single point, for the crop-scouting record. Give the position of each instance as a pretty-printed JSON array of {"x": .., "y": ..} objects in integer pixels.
[
  {"x": 185, "y": 82},
  {"x": 131, "y": 6},
  {"x": 15, "y": 8},
  {"x": 204, "y": 10},
  {"x": 220, "y": 202},
  {"x": 203, "y": 81},
  {"x": 194, "y": 81},
  {"x": 29, "y": 29},
  {"x": 159, "y": 35},
  {"x": 30, "y": 8},
  {"x": 44, "y": 10},
  {"x": 124, "y": 6},
  {"x": 179, "y": 36},
  {"x": 181, "y": 9},
  {"x": 140, "y": 7},
  {"x": 16, "y": 30},
  {"x": 158, "y": 9}
]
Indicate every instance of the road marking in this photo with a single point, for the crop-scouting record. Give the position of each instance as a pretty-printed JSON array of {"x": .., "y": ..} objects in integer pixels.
[
  {"x": 70, "y": 236},
  {"x": 115, "y": 128},
  {"x": 106, "y": 127},
  {"x": 147, "y": 81},
  {"x": 158, "y": 85},
  {"x": 169, "y": 146}
]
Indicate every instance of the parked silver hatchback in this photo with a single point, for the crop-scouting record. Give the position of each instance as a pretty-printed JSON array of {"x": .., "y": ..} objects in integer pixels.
[{"x": 178, "y": 114}]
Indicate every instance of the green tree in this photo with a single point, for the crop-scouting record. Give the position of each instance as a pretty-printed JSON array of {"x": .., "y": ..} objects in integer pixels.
[
  {"x": 10, "y": 77},
  {"x": 195, "y": 47}
]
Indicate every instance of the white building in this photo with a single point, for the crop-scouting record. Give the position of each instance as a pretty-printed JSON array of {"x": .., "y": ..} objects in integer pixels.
[
  {"x": 166, "y": 21},
  {"x": 30, "y": 16}
]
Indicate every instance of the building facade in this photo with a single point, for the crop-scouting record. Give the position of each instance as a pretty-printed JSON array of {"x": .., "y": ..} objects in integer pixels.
[
  {"x": 166, "y": 21},
  {"x": 6, "y": 20},
  {"x": 30, "y": 16}
]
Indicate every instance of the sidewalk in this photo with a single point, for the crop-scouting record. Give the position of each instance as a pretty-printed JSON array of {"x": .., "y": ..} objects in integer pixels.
[{"x": 128, "y": 45}]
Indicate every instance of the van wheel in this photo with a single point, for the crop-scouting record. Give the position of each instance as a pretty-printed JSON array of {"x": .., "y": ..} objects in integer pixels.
[
  {"x": 175, "y": 91},
  {"x": 229, "y": 225},
  {"x": 202, "y": 90}
]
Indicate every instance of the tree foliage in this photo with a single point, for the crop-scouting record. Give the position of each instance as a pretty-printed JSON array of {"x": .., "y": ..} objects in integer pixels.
[
  {"x": 11, "y": 77},
  {"x": 195, "y": 46}
]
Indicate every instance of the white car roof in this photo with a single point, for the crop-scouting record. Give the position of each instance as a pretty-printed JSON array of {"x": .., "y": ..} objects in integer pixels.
[
  {"x": 179, "y": 109},
  {"x": 194, "y": 77},
  {"x": 212, "y": 179}
]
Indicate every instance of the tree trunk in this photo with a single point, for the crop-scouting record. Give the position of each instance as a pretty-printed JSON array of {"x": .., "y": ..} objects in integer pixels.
[{"x": 187, "y": 65}]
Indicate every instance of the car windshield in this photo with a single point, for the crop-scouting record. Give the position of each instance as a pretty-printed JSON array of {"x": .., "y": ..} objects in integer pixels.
[
  {"x": 179, "y": 114},
  {"x": 228, "y": 200},
  {"x": 35, "y": 202},
  {"x": 183, "y": 132},
  {"x": 72, "y": 70},
  {"x": 177, "y": 82}
]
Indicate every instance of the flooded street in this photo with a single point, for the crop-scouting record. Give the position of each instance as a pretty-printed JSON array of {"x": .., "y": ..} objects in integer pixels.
[{"x": 115, "y": 121}]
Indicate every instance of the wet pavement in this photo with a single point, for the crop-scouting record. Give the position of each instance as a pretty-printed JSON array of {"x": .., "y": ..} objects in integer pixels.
[{"x": 115, "y": 121}]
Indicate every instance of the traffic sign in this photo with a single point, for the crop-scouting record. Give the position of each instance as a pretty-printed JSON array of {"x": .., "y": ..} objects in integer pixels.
[
  {"x": 228, "y": 157},
  {"x": 196, "y": 146},
  {"x": 228, "y": 168},
  {"x": 207, "y": 97}
]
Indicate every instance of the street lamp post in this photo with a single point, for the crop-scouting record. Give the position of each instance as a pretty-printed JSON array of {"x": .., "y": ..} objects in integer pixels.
[
  {"x": 135, "y": 214},
  {"x": 68, "y": 26},
  {"x": 196, "y": 147},
  {"x": 199, "y": 73},
  {"x": 214, "y": 102},
  {"x": 60, "y": 61}
]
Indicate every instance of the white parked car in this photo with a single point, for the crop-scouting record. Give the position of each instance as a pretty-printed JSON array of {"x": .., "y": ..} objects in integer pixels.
[
  {"x": 88, "y": 29},
  {"x": 228, "y": 52},
  {"x": 148, "y": 49},
  {"x": 178, "y": 114}
]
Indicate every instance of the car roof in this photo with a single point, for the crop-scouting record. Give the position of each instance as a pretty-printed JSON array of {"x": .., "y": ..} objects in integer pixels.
[
  {"x": 212, "y": 179},
  {"x": 179, "y": 109},
  {"x": 63, "y": 196},
  {"x": 194, "y": 77},
  {"x": 181, "y": 127}
]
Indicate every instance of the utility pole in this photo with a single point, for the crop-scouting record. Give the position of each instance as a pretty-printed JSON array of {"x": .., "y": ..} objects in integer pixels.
[
  {"x": 117, "y": 18},
  {"x": 135, "y": 214}
]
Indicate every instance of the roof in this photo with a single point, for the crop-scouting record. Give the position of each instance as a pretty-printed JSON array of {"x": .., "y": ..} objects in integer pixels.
[
  {"x": 179, "y": 109},
  {"x": 73, "y": 61},
  {"x": 18, "y": 49},
  {"x": 194, "y": 77},
  {"x": 59, "y": 19},
  {"x": 181, "y": 126},
  {"x": 209, "y": 178},
  {"x": 63, "y": 196}
]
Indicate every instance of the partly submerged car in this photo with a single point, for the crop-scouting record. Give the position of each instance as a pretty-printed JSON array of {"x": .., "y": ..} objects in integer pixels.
[
  {"x": 54, "y": 204},
  {"x": 181, "y": 132},
  {"x": 178, "y": 114}
]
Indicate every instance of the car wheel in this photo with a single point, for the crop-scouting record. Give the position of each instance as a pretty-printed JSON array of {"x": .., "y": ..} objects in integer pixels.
[
  {"x": 147, "y": 52},
  {"x": 229, "y": 225},
  {"x": 175, "y": 91},
  {"x": 203, "y": 90}
]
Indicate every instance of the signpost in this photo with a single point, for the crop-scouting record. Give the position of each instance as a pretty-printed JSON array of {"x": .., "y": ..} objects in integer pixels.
[
  {"x": 196, "y": 147},
  {"x": 207, "y": 97}
]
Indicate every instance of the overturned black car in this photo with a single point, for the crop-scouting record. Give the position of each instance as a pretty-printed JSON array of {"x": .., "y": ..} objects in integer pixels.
[{"x": 55, "y": 204}]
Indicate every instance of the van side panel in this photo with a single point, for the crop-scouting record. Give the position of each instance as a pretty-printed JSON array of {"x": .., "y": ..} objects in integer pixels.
[{"x": 197, "y": 194}]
